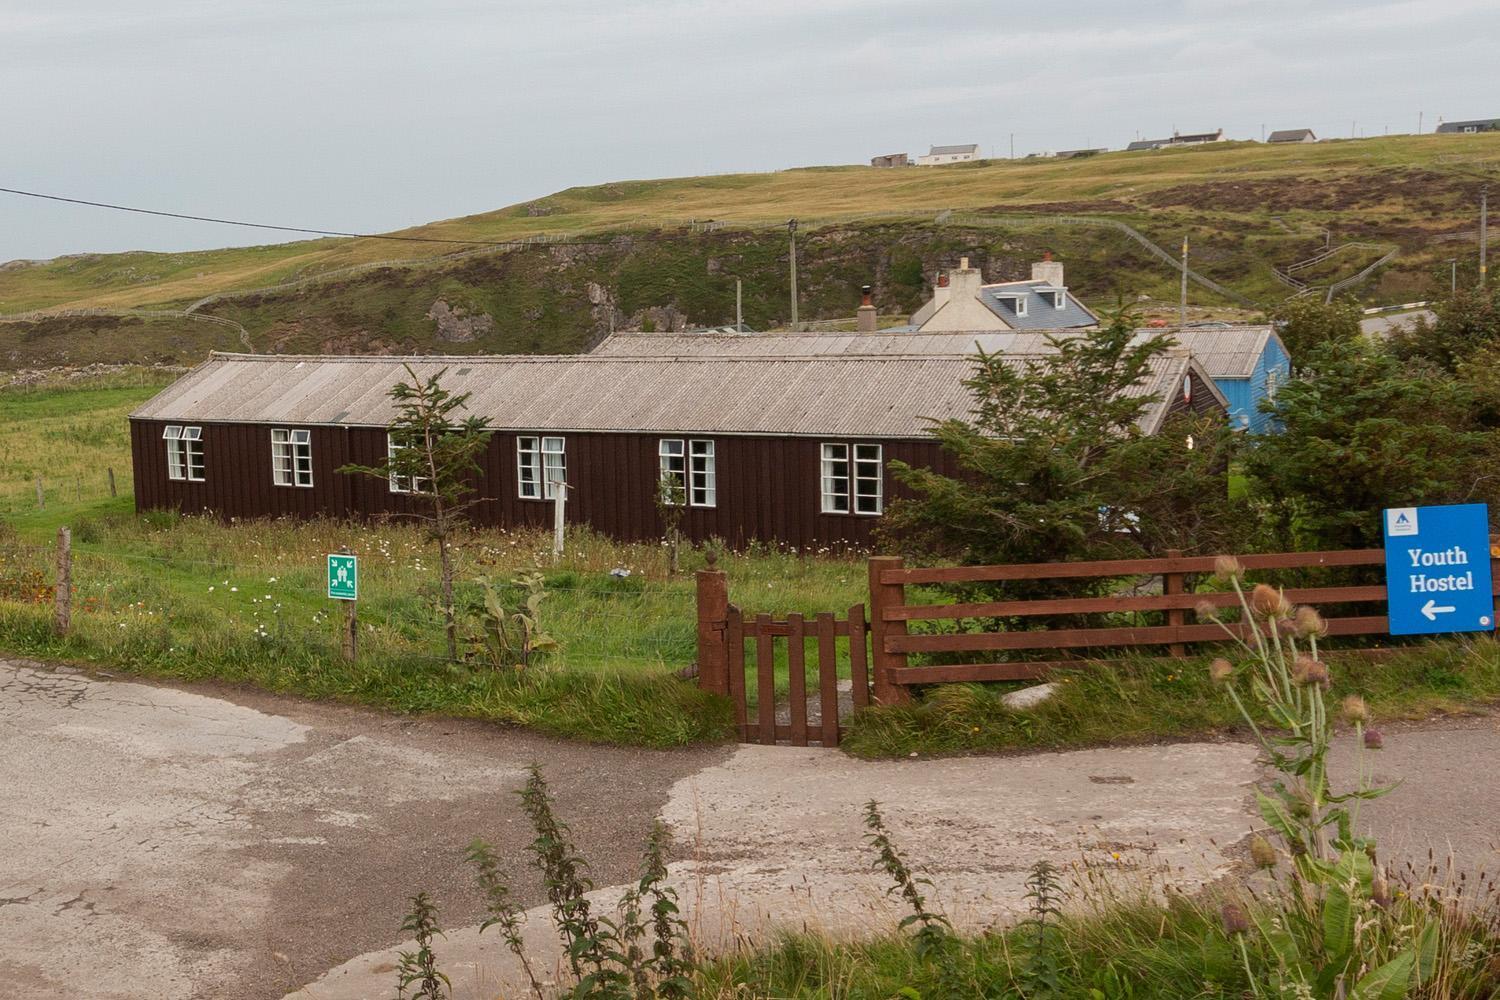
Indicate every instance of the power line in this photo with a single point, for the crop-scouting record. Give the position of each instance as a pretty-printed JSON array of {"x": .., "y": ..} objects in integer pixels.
[{"x": 304, "y": 230}]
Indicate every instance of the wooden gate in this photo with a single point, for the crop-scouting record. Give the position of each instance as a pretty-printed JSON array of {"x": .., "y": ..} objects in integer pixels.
[{"x": 782, "y": 692}]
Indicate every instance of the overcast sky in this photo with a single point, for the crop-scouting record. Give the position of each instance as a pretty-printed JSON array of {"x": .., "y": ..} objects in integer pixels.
[{"x": 370, "y": 115}]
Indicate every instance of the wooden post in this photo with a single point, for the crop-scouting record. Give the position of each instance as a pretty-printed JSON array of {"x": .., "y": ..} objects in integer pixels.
[
  {"x": 713, "y": 621},
  {"x": 350, "y": 631},
  {"x": 882, "y": 596},
  {"x": 41, "y": 498},
  {"x": 79, "y": 487},
  {"x": 559, "y": 501},
  {"x": 111, "y": 472},
  {"x": 62, "y": 594},
  {"x": 1172, "y": 584}
]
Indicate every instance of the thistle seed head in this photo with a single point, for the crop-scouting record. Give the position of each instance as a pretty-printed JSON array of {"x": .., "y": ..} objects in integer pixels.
[
  {"x": 1205, "y": 609},
  {"x": 1228, "y": 568},
  {"x": 1308, "y": 671},
  {"x": 1220, "y": 670},
  {"x": 1262, "y": 853},
  {"x": 1373, "y": 739},
  {"x": 1267, "y": 601},
  {"x": 1310, "y": 623},
  {"x": 1355, "y": 709},
  {"x": 1235, "y": 921}
]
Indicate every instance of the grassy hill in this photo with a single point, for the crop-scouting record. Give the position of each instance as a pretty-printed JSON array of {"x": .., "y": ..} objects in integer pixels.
[{"x": 664, "y": 252}]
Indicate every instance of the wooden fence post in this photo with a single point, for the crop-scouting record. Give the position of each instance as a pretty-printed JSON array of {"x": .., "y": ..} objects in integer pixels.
[
  {"x": 882, "y": 596},
  {"x": 111, "y": 472},
  {"x": 62, "y": 593},
  {"x": 1172, "y": 584},
  {"x": 350, "y": 631},
  {"x": 713, "y": 620}
]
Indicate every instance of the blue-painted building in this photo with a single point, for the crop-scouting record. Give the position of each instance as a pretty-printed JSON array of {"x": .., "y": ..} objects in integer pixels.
[{"x": 1247, "y": 363}]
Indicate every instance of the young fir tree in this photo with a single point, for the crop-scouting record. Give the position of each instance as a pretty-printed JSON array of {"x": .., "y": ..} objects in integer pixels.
[
  {"x": 1054, "y": 465},
  {"x": 435, "y": 458}
]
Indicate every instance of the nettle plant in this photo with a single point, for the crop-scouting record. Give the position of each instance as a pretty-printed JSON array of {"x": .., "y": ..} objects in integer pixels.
[{"x": 1334, "y": 934}]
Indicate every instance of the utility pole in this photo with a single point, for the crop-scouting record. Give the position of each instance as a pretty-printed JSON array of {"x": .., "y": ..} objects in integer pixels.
[
  {"x": 1419, "y": 123},
  {"x": 1262, "y": 131},
  {"x": 1182, "y": 304},
  {"x": 1012, "y": 145},
  {"x": 739, "y": 311},
  {"x": 1453, "y": 276},
  {"x": 1484, "y": 231},
  {"x": 791, "y": 233}
]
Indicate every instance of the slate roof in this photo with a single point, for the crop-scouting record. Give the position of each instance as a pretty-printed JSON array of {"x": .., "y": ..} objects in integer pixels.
[
  {"x": 1290, "y": 135},
  {"x": 1040, "y": 313},
  {"x": 1477, "y": 125},
  {"x": 967, "y": 147},
  {"x": 892, "y": 396}
]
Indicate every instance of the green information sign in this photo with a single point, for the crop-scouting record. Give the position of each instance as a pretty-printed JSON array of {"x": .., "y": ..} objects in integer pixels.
[{"x": 343, "y": 578}]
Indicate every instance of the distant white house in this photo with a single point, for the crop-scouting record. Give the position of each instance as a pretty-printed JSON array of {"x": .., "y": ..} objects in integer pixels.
[
  {"x": 1292, "y": 135},
  {"x": 938, "y": 155},
  {"x": 962, "y": 302},
  {"x": 1177, "y": 139},
  {"x": 1478, "y": 125}
]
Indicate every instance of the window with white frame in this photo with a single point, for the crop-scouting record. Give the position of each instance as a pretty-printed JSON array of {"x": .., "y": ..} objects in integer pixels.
[
  {"x": 1059, "y": 299},
  {"x": 703, "y": 477},
  {"x": 291, "y": 457},
  {"x": 671, "y": 477},
  {"x": 541, "y": 465},
  {"x": 184, "y": 452},
  {"x": 854, "y": 486},
  {"x": 400, "y": 483},
  {"x": 687, "y": 469}
]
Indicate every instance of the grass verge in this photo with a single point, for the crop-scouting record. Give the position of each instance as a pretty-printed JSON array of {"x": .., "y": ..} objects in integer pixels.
[{"x": 1145, "y": 700}]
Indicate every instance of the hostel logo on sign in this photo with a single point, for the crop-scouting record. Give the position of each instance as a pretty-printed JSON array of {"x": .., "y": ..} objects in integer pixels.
[{"x": 1400, "y": 521}]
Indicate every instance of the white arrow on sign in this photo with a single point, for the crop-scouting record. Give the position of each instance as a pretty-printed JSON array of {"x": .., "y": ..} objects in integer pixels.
[{"x": 1432, "y": 609}]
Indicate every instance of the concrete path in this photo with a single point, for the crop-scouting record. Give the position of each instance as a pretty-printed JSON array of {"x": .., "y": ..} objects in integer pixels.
[
  {"x": 163, "y": 843},
  {"x": 175, "y": 844}
]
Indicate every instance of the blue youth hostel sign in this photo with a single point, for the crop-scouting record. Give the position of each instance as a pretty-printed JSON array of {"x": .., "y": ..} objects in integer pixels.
[{"x": 1437, "y": 569}]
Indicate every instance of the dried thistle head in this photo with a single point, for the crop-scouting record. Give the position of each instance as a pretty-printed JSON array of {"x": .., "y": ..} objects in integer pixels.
[
  {"x": 1262, "y": 853},
  {"x": 1228, "y": 568},
  {"x": 1220, "y": 670},
  {"x": 1380, "y": 889},
  {"x": 1205, "y": 609},
  {"x": 1268, "y": 602},
  {"x": 1234, "y": 919},
  {"x": 1374, "y": 740},
  {"x": 1309, "y": 623},
  {"x": 1307, "y": 671},
  {"x": 1355, "y": 709}
]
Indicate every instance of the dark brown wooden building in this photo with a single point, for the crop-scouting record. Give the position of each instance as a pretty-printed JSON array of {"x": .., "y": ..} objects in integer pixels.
[{"x": 778, "y": 449}]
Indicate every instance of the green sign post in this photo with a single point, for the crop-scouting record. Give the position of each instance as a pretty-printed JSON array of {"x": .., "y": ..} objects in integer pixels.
[{"x": 343, "y": 578}]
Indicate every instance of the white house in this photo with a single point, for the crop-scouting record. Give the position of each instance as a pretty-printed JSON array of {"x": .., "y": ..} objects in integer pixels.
[
  {"x": 1292, "y": 135},
  {"x": 938, "y": 155},
  {"x": 962, "y": 302}
]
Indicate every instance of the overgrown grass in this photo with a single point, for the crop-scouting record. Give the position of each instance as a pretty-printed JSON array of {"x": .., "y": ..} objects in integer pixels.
[{"x": 1145, "y": 700}]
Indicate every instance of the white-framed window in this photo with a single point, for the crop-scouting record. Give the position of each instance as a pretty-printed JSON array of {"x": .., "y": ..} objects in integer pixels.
[
  {"x": 703, "y": 479},
  {"x": 856, "y": 487},
  {"x": 541, "y": 464},
  {"x": 1271, "y": 376},
  {"x": 399, "y": 483},
  {"x": 1059, "y": 299},
  {"x": 184, "y": 452},
  {"x": 671, "y": 454},
  {"x": 1021, "y": 306},
  {"x": 291, "y": 457},
  {"x": 689, "y": 466}
]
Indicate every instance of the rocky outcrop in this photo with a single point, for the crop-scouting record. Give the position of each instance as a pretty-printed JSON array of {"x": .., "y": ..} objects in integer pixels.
[{"x": 457, "y": 327}]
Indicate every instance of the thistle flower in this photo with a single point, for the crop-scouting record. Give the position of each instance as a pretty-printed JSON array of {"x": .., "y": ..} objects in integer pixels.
[
  {"x": 1380, "y": 889},
  {"x": 1228, "y": 568},
  {"x": 1308, "y": 671},
  {"x": 1220, "y": 670},
  {"x": 1205, "y": 609},
  {"x": 1262, "y": 853},
  {"x": 1309, "y": 622},
  {"x": 1355, "y": 709},
  {"x": 1234, "y": 919},
  {"x": 1373, "y": 739},
  {"x": 1268, "y": 602}
]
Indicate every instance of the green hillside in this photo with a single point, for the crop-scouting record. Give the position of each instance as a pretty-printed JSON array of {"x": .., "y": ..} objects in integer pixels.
[{"x": 667, "y": 252}]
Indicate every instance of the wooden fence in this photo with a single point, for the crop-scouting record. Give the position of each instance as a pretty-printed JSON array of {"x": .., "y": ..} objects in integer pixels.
[{"x": 723, "y": 630}]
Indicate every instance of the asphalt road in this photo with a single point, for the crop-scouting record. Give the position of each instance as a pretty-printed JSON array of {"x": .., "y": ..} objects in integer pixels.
[{"x": 1387, "y": 323}]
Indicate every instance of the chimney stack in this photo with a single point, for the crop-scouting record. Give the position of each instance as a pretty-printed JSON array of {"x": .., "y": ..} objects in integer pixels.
[
  {"x": 864, "y": 317},
  {"x": 1048, "y": 270},
  {"x": 964, "y": 281}
]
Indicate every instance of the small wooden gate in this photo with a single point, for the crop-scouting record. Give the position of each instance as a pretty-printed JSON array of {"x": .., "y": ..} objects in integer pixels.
[{"x": 777, "y": 675}]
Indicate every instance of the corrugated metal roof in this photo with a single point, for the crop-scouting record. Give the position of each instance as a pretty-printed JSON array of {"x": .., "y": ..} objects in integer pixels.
[
  {"x": 1290, "y": 135},
  {"x": 1224, "y": 352},
  {"x": 891, "y": 396},
  {"x": 967, "y": 147}
]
